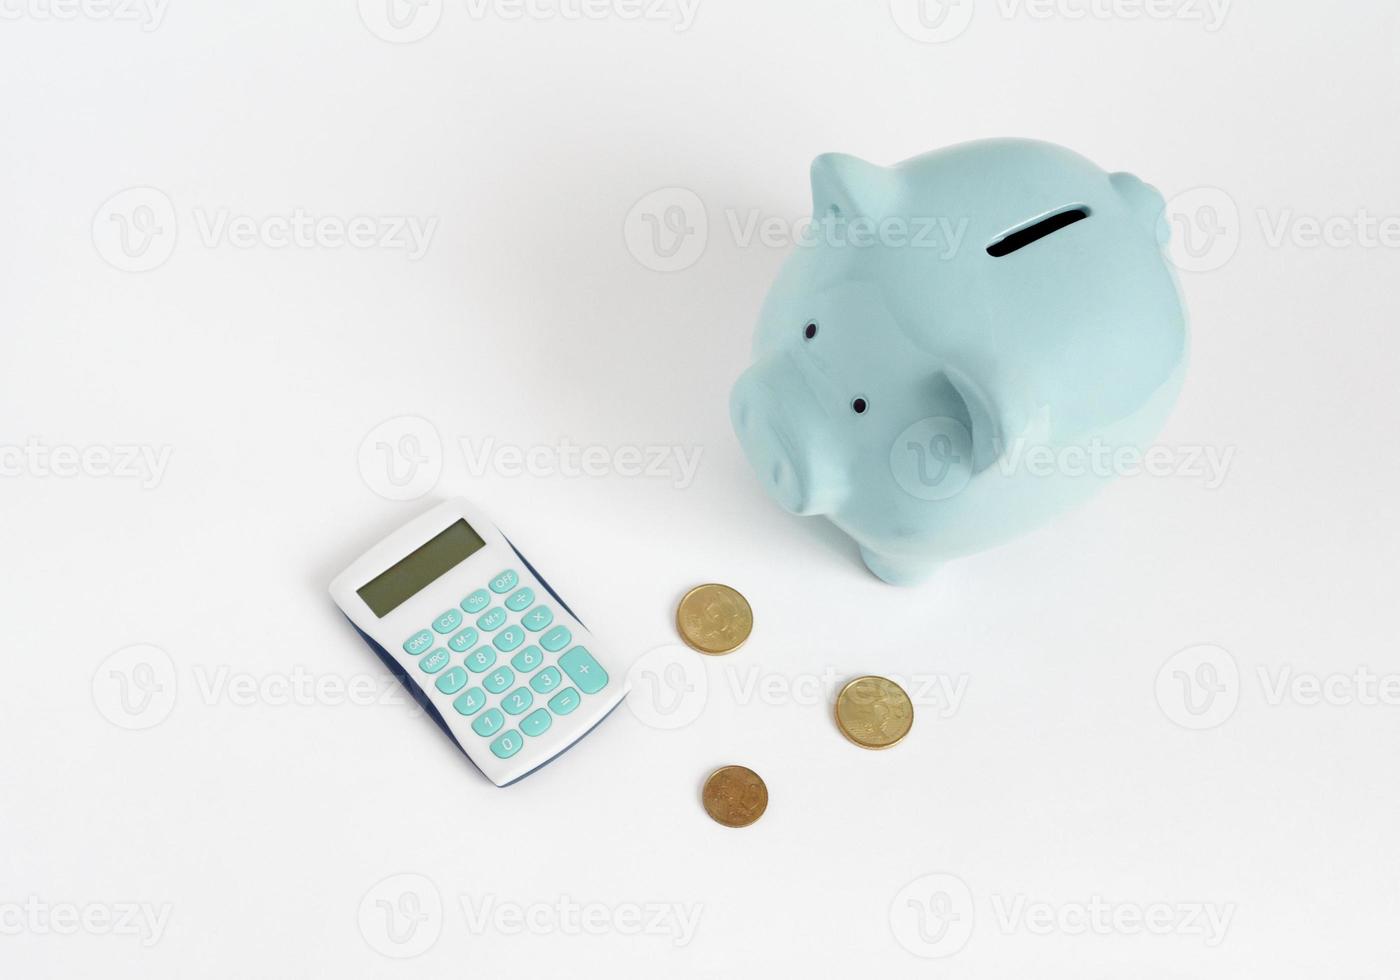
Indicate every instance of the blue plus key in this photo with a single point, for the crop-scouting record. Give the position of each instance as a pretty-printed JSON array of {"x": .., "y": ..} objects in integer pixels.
[
  {"x": 556, "y": 639},
  {"x": 507, "y": 745},
  {"x": 584, "y": 671},
  {"x": 419, "y": 642},
  {"x": 536, "y": 723}
]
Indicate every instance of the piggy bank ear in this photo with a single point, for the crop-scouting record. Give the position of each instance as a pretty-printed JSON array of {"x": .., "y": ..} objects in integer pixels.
[
  {"x": 850, "y": 187},
  {"x": 1146, "y": 204}
]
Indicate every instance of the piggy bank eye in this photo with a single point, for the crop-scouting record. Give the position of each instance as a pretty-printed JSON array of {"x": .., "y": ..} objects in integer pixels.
[
  {"x": 810, "y": 331},
  {"x": 859, "y": 406}
]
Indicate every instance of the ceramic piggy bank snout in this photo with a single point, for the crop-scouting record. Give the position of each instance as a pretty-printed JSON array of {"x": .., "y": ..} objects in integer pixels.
[
  {"x": 945, "y": 317},
  {"x": 782, "y": 432}
]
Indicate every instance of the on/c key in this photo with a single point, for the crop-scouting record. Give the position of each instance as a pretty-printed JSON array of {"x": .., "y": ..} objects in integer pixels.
[{"x": 584, "y": 671}]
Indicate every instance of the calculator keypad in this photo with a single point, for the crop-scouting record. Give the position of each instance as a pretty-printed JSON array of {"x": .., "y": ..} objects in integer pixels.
[
  {"x": 556, "y": 639},
  {"x": 435, "y": 661},
  {"x": 537, "y": 619},
  {"x": 584, "y": 671},
  {"x": 492, "y": 619},
  {"x": 515, "y": 691},
  {"x": 448, "y": 621},
  {"x": 498, "y": 680},
  {"x": 420, "y": 642},
  {"x": 464, "y": 640},
  {"x": 509, "y": 638}
]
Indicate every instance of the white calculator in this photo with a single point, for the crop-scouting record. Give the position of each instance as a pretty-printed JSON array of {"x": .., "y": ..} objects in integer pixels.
[{"x": 480, "y": 640}]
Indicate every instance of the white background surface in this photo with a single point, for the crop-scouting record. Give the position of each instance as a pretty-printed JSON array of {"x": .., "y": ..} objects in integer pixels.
[{"x": 262, "y": 823}]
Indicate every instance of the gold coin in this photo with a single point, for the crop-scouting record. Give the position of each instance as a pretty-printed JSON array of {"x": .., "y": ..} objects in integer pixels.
[
  {"x": 714, "y": 619},
  {"x": 735, "y": 796},
  {"x": 874, "y": 712}
]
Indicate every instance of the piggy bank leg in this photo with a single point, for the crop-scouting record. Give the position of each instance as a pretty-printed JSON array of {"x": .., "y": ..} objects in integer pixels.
[{"x": 901, "y": 570}]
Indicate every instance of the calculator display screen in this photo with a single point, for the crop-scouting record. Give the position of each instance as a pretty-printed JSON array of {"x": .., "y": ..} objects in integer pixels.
[{"x": 426, "y": 565}]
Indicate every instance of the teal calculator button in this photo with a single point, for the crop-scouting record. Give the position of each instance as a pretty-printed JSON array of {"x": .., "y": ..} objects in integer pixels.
[
  {"x": 489, "y": 723},
  {"x": 499, "y": 680},
  {"x": 527, "y": 660},
  {"x": 480, "y": 660},
  {"x": 471, "y": 702},
  {"x": 509, "y": 638},
  {"x": 546, "y": 680},
  {"x": 556, "y": 639},
  {"x": 492, "y": 620},
  {"x": 448, "y": 621},
  {"x": 419, "y": 642},
  {"x": 504, "y": 582},
  {"x": 538, "y": 618},
  {"x": 452, "y": 681},
  {"x": 536, "y": 723},
  {"x": 584, "y": 671},
  {"x": 477, "y": 601},
  {"x": 564, "y": 702},
  {"x": 507, "y": 745},
  {"x": 435, "y": 661},
  {"x": 517, "y": 701},
  {"x": 520, "y": 599},
  {"x": 464, "y": 640}
]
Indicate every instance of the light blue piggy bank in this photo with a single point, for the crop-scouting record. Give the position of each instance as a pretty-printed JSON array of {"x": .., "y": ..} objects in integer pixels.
[{"x": 963, "y": 347}]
